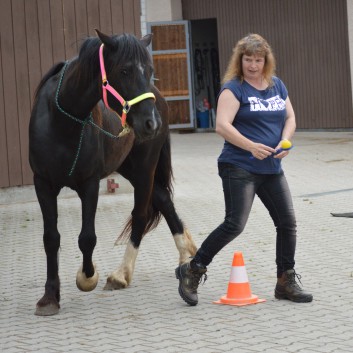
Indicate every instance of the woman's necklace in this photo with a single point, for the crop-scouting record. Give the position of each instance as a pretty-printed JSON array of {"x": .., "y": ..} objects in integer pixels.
[{"x": 258, "y": 84}]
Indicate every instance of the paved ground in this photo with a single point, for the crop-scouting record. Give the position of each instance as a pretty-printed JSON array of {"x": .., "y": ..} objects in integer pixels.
[{"x": 149, "y": 316}]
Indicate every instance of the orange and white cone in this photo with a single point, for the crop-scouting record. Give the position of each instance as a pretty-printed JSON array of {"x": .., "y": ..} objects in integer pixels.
[{"x": 239, "y": 292}]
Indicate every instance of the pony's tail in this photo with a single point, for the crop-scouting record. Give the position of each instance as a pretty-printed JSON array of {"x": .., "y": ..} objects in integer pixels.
[{"x": 163, "y": 178}]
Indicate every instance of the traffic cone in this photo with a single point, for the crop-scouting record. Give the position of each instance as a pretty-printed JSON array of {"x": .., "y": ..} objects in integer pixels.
[{"x": 239, "y": 292}]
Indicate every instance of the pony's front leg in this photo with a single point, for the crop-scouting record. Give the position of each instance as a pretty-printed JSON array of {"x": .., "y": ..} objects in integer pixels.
[
  {"x": 47, "y": 198},
  {"x": 87, "y": 276},
  {"x": 122, "y": 276},
  {"x": 184, "y": 242}
]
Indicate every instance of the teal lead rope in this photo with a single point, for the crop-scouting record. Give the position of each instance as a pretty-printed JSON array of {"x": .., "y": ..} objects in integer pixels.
[
  {"x": 88, "y": 120},
  {"x": 79, "y": 144}
]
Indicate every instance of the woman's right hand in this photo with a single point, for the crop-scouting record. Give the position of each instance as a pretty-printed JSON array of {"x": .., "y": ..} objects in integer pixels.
[{"x": 260, "y": 151}]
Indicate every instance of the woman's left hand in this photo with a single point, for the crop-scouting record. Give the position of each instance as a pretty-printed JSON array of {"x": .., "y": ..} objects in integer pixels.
[{"x": 281, "y": 154}]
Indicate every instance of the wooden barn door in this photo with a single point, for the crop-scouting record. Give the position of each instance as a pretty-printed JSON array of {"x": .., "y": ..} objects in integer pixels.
[
  {"x": 172, "y": 69},
  {"x": 35, "y": 34}
]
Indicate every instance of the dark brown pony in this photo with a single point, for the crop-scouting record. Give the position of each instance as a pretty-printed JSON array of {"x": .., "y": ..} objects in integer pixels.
[{"x": 75, "y": 141}]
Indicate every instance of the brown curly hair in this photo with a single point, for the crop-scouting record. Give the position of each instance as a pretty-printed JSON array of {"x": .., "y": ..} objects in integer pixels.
[{"x": 252, "y": 44}]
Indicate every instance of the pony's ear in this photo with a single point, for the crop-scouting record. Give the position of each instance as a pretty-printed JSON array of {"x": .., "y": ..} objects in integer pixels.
[
  {"x": 107, "y": 40},
  {"x": 146, "y": 40}
]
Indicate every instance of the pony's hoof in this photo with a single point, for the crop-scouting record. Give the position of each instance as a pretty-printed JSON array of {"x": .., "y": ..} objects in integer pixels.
[
  {"x": 47, "y": 307},
  {"x": 51, "y": 309},
  {"x": 114, "y": 283},
  {"x": 86, "y": 284}
]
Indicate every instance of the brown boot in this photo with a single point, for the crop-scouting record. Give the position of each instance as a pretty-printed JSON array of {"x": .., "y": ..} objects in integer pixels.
[
  {"x": 288, "y": 288},
  {"x": 190, "y": 275}
]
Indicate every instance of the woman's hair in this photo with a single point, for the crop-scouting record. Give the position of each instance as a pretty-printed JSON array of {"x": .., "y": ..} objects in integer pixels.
[{"x": 252, "y": 44}]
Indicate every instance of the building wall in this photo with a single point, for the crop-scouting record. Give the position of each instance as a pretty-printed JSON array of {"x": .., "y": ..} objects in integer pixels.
[
  {"x": 163, "y": 10},
  {"x": 350, "y": 36},
  {"x": 312, "y": 41}
]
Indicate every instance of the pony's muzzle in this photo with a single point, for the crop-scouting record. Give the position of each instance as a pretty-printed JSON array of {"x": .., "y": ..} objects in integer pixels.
[{"x": 148, "y": 127}]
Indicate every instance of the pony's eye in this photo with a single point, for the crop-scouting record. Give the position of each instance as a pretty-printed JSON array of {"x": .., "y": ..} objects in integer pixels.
[{"x": 124, "y": 72}]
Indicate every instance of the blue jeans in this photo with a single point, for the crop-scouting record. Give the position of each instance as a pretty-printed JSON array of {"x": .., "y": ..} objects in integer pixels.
[{"x": 240, "y": 188}]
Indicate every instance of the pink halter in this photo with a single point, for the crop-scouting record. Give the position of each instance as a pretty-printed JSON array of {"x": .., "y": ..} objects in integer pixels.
[{"x": 107, "y": 87}]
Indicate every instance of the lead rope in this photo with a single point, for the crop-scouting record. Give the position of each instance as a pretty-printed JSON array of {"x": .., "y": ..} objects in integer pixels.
[{"x": 88, "y": 120}]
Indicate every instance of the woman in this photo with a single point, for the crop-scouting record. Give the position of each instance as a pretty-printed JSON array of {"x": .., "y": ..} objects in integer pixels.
[{"x": 254, "y": 115}]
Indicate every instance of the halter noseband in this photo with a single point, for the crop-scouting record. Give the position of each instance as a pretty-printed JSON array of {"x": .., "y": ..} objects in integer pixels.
[{"x": 107, "y": 87}]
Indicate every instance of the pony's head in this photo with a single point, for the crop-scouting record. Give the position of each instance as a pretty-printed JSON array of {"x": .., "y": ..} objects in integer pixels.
[{"x": 128, "y": 68}]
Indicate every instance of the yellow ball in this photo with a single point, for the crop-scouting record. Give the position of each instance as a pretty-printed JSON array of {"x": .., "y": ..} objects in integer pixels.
[{"x": 286, "y": 144}]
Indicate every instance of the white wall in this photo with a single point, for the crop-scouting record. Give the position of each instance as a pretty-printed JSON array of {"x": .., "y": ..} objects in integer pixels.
[{"x": 159, "y": 10}]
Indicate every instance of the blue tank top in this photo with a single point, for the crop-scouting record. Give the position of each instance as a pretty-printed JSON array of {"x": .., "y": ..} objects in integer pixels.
[{"x": 260, "y": 118}]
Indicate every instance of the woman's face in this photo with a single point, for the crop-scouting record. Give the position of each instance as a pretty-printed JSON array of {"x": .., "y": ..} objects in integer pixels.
[{"x": 253, "y": 66}]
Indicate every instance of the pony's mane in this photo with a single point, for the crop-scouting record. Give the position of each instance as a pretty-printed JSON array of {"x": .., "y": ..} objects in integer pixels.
[
  {"x": 88, "y": 59},
  {"x": 52, "y": 72}
]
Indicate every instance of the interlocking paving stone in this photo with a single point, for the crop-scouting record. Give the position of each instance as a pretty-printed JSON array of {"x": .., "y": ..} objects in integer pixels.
[{"x": 149, "y": 316}]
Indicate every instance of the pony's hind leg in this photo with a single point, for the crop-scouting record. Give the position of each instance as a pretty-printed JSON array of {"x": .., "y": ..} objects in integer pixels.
[
  {"x": 183, "y": 240},
  {"x": 87, "y": 276},
  {"x": 185, "y": 245},
  {"x": 122, "y": 277},
  {"x": 47, "y": 198}
]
